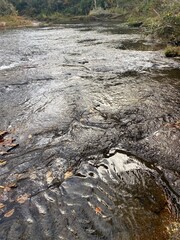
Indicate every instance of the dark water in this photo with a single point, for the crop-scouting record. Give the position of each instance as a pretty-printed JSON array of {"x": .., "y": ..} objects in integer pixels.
[{"x": 98, "y": 131}]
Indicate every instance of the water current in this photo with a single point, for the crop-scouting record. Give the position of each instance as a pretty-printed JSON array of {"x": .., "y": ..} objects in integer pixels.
[{"x": 94, "y": 111}]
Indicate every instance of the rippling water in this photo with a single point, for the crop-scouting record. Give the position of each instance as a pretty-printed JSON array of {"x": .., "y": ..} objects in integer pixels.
[{"x": 95, "y": 111}]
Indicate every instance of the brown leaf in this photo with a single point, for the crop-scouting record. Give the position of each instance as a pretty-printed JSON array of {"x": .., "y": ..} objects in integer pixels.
[
  {"x": 7, "y": 189},
  {"x": 21, "y": 176},
  {"x": 68, "y": 174},
  {"x": 98, "y": 210},
  {"x": 9, "y": 213},
  {"x": 2, "y": 133},
  {"x": 23, "y": 198},
  {"x": 2, "y": 205},
  {"x": 7, "y": 141},
  {"x": 49, "y": 177},
  {"x": 2, "y": 163},
  {"x": 3, "y": 153},
  {"x": 173, "y": 125},
  {"x": 177, "y": 124},
  {"x": 12, "y": 185},
  {"x": 12, "y": 130}
]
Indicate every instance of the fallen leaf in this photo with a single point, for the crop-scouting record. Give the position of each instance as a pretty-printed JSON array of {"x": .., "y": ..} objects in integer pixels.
[
  {"x": 12, "y": 130},
  {"x": 3, "y": 153},
  {"x": 2, "y": 133},
  {"x": 7, "y": 189},
  {"x": 173, "y": 125},
  {"x": 21, "y": 176},
  {"x": 9, "y": 213},
  {"x": 49, "y": 177},
  {"x": 6, "y": 141},
  {"x": 23, "y": 198},
  {"x": 2, "y": 205},
  {"x": 33, "y": 175},
  {"x": 12, "y": 185},
  {"x": 98, "y": 210},
  {"x": 2, "y": 163},
  {"x": 177, "y": 124},
  {"x": 68, "y": 174},
  {"x": 49, "y": 174}
]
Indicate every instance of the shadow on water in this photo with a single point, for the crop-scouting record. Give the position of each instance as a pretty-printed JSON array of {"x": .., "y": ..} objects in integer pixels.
[
  {"x": 108, "y": 27},
  {"x": 168, "y": 76},
  {"x": 119, "y": 29},
  {"x": 140, "y": 45}
]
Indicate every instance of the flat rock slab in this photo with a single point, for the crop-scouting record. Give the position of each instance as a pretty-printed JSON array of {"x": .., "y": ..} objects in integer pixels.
[{"x": 97, "y": 136}]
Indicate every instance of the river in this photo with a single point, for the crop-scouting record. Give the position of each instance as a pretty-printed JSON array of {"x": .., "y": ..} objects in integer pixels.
[{"x": 93, "y": 113}]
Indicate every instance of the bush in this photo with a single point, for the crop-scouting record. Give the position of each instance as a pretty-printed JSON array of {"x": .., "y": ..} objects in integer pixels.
[
  {"x": 6, "y": 8},
  {"x": 171, "y": 51}
]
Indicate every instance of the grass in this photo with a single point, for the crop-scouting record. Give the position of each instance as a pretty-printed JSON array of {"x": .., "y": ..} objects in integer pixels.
[
  {"x": 172, "y": 51},
  {"x": 15, "y": 21}
]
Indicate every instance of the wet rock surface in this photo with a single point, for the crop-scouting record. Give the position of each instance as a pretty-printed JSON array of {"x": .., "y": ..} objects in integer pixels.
[{"x": 98, "y": 136}]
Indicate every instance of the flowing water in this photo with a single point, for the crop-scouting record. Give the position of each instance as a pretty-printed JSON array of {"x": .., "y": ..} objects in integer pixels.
[{"x": 94, "y": 110}]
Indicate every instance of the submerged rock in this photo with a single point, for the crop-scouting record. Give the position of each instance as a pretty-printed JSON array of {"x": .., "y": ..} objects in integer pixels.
[{"x": 98, "y": 137}]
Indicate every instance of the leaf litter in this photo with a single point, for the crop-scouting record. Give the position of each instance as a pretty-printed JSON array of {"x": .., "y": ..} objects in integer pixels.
[
  {"x": 9, "y": 213},
  {"x": 7, "y": 142},
  {"x": 23, "y": 198},
  {"x": 68, "y": 174},
  {"x": 2, "y": 205},
  {"x": 98, "y": 210},
  {"x": 2, "y": 163}
]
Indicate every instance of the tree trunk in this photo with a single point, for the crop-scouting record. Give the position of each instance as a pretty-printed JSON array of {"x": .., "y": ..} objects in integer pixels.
[{"x": 95, "y": 4}]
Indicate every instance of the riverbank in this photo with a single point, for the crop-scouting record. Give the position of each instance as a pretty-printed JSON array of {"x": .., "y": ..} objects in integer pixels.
[
  {"x": 162, "y": 23},
  {"x": 15, "y": 21},
  {"x": 165, "y": 28}
]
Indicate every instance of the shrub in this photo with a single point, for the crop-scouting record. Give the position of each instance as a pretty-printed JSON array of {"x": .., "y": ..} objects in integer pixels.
[
  {"x": 171, "y": 51},
  {"x": 6, "y": 8}
]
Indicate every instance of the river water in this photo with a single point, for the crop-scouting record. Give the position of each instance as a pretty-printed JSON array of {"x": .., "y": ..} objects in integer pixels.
[{"x": 94, "y": 110}]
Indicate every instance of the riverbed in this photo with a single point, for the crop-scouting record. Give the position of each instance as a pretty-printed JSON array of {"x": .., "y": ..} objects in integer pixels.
[{"x": 93, "y": 113}]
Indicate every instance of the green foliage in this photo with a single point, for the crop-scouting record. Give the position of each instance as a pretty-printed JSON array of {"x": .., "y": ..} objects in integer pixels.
[
  {"x": 6, "y": 8},
  {"x": 14, "y": 21},
  {"x": 162, "y": 17},
  {"x": 172, "y": 51},
  {"x": 85, "y": 6},
  {"x": 167, "y": 24},
  {"x": 150, "y": 7},
  {"x": 48, "y": 7}
]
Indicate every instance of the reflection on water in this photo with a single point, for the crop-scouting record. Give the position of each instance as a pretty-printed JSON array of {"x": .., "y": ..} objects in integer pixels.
[
  {"x": 140, "y": 45},
  {"x": 69, "y": 95}
]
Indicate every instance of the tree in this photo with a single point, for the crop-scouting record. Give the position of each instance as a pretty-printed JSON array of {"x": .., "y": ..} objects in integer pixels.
[
  {"x": 85, "y": 6},
  {"x": 6, "y": 8}
]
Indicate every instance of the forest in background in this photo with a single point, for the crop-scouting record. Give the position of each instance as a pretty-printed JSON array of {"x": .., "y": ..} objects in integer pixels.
[
  {"x": 83, "y": 7},
  {"x": 161, "y": 17}
]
